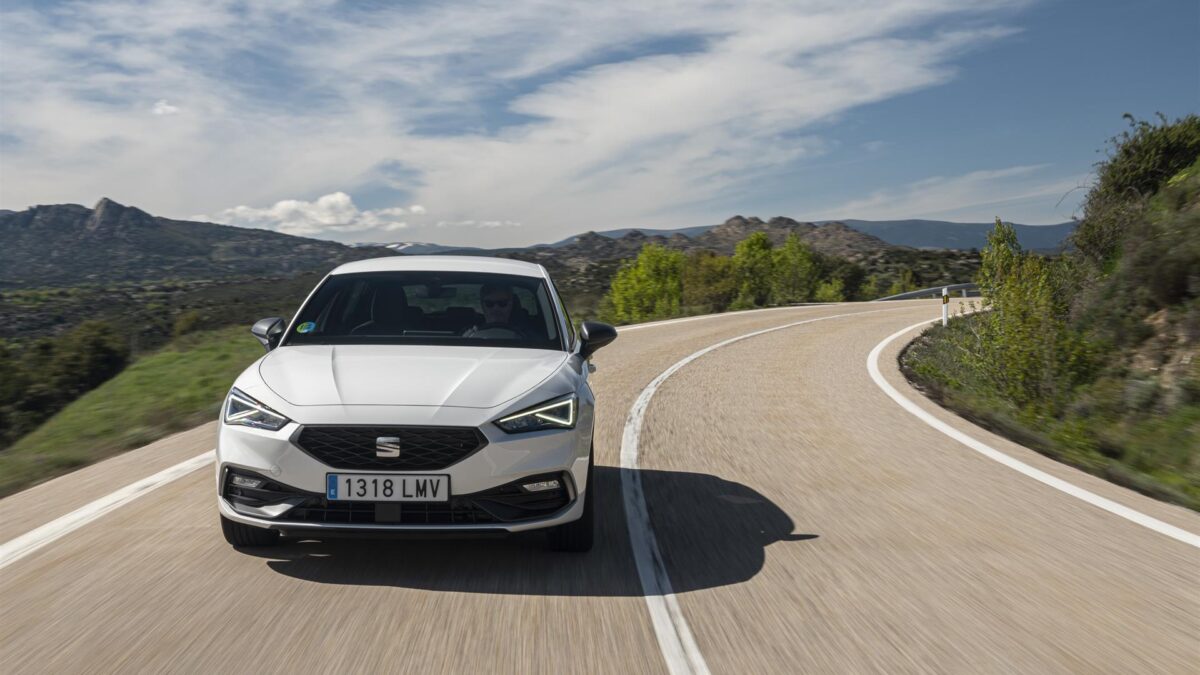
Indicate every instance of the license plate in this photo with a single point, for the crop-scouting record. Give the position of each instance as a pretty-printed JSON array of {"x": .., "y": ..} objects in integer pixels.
[{"x": 375, "y": 487}]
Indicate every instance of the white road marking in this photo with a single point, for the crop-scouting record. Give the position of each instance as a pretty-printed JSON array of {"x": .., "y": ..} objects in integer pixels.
[
  {"x": 675, "y": 639},
  {"x": 686, "y": 319},
  {"x": 15, "y": 549},
  {"x": 1013, "y": 463}
]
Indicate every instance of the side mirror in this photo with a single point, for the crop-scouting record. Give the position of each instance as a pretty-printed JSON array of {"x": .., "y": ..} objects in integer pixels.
[
  {"x": 595, "y": 335},
  {"x": 268, "y": 332}
]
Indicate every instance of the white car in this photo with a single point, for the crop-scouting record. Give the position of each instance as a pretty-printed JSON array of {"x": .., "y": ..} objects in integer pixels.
[{"x": 415, "y": 393}]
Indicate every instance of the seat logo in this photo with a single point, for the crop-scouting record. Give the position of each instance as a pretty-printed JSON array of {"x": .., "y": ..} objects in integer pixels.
[{"x": 387, "y": 446}]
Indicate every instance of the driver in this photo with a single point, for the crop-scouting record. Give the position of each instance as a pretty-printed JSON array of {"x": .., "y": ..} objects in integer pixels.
[
  {"x": 497, "y": 305},
  {"x": 497, "y": 302}
]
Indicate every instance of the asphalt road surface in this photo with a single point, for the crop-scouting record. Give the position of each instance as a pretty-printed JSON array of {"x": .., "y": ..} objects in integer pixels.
[{"x": 804, "y": 521}]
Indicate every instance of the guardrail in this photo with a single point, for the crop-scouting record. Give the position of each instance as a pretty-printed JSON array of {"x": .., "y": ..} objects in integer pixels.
[{"x": 967, "y": 290}]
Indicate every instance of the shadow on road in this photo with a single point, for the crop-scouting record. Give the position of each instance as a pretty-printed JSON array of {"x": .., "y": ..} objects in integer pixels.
[{"x": 711, "y": 532}]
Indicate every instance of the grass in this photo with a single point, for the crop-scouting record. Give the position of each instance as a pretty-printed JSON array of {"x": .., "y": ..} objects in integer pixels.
[
  {"x": 176, "y": 388},
  {"x": 1153, "y": 452}
]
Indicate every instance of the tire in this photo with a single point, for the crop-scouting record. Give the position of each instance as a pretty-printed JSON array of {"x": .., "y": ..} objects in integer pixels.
[
  {"x": 245, "y": 536},
  {"x": 577, "y": 536}
]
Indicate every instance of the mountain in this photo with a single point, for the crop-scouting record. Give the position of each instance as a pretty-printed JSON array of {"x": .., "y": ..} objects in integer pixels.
[
  {"x": 69, "y": 244},
  {"x": 963, "y": 236},
  {"x": 832, "y": 239},
  {"x": 915, "y": 233},
  {"x": 420, "y": 248},
  {"x": 617, "y": 234}
]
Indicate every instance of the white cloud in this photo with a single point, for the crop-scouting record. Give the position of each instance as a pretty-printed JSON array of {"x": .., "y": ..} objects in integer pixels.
[
  {"x": 478, "y": 224},
  {"x": 616, "y": 127},
  {"x": 1018, "y": 193},
  {"x": 161, "y": 107},
  {"x": 331, "y": 214}
]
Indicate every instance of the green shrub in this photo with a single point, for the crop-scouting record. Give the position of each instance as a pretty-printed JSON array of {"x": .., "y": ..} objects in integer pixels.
[
  {"x": 1083, "y": 356},
  {"x": 754, "y": 264},
  {"x": 797, "y": 271},
  {"x": 647, "y": 288},
  {"x": 830, "y": 291}
]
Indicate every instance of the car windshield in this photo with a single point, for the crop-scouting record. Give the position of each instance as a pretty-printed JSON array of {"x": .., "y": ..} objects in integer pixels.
[{"x": 439, "y": 308}]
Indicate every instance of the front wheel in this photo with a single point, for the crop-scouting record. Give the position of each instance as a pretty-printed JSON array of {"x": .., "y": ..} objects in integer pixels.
[
  {"x": 245, "y": 536},
  {"x": 577, "y": 536}
]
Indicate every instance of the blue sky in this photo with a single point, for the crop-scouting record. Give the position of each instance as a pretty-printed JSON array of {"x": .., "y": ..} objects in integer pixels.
[{"x": 501, "y": 123}]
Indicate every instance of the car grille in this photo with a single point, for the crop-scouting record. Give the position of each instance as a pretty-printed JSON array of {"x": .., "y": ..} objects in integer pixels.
[
  {"x": 454, "y": 512},
  {"x": 421, "y": 448}
]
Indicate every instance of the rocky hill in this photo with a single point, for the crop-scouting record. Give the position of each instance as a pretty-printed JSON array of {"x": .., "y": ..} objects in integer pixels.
[
  {"x": 69, "y": 244},
  {"x": 583, "y": 266},
  {"x": 962, "y": 236},
  {"x": 923, "y": 234},
  {"x": 832, "y": 239}
]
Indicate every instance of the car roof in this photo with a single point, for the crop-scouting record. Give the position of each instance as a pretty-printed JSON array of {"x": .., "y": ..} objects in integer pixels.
[{"x": 443, "y": 263}]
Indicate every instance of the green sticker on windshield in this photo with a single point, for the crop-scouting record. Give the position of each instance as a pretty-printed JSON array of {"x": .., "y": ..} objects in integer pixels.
[{"x": 306, "y": 327}]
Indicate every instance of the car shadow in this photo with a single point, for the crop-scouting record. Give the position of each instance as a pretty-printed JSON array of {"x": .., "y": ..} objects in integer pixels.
[{"x": 711, "y": 532}]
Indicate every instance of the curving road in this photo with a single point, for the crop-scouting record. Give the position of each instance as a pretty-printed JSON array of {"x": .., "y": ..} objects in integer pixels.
[{"x": 805, "y": 522}]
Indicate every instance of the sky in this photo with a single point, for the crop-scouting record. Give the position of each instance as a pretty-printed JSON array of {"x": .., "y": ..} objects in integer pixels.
[{"x": 513, "y": 122}]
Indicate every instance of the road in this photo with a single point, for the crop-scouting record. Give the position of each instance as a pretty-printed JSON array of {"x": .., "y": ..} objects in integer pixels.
[{"x": 806, "y": 522}]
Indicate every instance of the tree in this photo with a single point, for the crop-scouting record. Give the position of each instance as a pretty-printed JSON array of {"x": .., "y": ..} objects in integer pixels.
[
  {"x": 650, "y": 287},
  {"x": 870, "y": 288},
  {"x": 709, "y": 282},
  {"x": 1142, "y": 159},
  {"x": 796, "y": 271},
  {"x": 850, "y": 274},
  {"x": 831, "y": 290},
  {"x": 1027, "y": 348},
  {"x": 41, "y": 377},
  {"x": 754, "y": 264},
  {"x": 86, "y": 357},
  {"x": 904, "y": 284}
]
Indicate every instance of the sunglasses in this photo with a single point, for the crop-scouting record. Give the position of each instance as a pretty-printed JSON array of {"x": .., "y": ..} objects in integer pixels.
[{"x": 495, "y": 303}]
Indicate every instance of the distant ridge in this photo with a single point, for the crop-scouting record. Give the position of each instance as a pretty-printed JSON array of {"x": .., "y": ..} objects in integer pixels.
[
  {"x": 69, "y": 244},
  {"x": 962, "y": 236},
  {"x": 913, "y": 233}
]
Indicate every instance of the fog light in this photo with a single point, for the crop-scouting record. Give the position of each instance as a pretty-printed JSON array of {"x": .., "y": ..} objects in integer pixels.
[
  {"x": 246, "y": 481},
  {"x": 541, "y": 486}
]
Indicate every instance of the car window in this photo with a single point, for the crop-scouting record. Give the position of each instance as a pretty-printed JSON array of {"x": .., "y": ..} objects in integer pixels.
[
  {"x": 456, "y": 308},
  {"x": 562, "y": 308}
]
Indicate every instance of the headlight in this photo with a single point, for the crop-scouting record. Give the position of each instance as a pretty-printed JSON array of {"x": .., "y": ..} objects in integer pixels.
[
  {"x": 556, "y": 414},
  {"x": 241, "y": 409}
]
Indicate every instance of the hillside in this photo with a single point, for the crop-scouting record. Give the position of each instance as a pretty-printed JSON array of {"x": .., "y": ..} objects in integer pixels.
[
  {"x": 170, "y": 390},
  {"x": 584, "y": 266},
  {"x": 69, "y": 244},
  {"x": 912, "y": 233},
  {"x": 963, "y": 236},
  {"x": 1093, "y": 357}
]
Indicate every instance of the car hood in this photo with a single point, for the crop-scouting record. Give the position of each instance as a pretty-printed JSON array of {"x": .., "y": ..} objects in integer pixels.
[{"x": 469, "y": 377}]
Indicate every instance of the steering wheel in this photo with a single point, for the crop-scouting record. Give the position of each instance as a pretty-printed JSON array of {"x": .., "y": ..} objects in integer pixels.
[{"x": 498, "y": 330}]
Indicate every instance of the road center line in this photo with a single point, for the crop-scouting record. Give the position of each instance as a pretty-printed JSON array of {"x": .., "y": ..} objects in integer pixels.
[
  {"x": 15, "y": 549},
  {"x": 675, "y": 640},
  {"x": 988, "y": 451}
]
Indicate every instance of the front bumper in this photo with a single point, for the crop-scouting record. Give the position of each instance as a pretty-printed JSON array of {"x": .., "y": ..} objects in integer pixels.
[
  {"x": 507, "y": 508},
  {"x": 478, "y": 502}
]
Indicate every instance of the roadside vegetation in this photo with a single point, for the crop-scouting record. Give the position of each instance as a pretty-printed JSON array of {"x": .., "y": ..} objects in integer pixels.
[
  {"x": 176, "y": 388},
  {"x": 66, "y": 342},
  {"x": 662, "y": 283},
  {"x": 1093, "y": 357}
]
